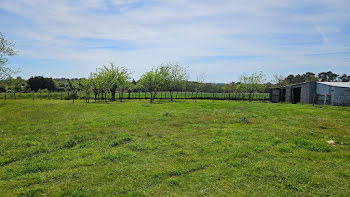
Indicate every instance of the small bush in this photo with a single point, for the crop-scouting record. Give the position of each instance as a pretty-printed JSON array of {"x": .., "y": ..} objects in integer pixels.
[{"x": 244, "y": 120}]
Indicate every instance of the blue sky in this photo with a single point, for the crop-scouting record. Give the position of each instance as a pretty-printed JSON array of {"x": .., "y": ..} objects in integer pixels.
[{"x": 221, "y": 39}]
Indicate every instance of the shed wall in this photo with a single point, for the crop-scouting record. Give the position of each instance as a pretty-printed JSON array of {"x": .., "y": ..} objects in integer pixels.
[
  {"x": 307, "y": 92},
  {"x": 288, "y": 94},
  {"x": 340, "y": 96}
]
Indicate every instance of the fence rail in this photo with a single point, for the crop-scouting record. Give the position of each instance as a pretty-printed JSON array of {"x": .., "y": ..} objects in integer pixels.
[{"x": 133, "y": 95}]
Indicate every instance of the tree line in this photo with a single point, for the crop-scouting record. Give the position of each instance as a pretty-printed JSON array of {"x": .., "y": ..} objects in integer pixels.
[{"x": 328, "y": 76}]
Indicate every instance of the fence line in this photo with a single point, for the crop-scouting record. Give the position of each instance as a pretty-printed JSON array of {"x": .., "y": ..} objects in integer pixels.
[{"x": 67, "y": 95}]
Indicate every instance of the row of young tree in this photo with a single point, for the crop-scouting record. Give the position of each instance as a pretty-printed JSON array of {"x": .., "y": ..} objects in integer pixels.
[
  {"x": 113, "y": 79},
  {"x": 170, "y": 77}
]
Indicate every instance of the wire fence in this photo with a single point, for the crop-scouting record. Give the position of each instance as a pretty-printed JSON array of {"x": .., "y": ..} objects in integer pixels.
[{"x": 132, "y": 95}]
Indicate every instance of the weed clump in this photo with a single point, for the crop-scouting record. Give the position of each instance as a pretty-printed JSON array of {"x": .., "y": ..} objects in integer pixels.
[
  {"x": 244, "y": 120},
  {"x": 167, "y": 114},
  {"x": 73, "y": 141},
  {"x": 121, "y": 138}
]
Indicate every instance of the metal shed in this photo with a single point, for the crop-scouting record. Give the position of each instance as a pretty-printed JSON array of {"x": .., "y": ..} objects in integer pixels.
[{"x": 331, "y": 93}]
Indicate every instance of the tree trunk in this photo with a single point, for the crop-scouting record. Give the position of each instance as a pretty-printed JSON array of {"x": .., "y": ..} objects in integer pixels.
[
  {"x": 113, "y": 94},
  {"x": 121, "y": 95},
  {"x": 129, "y": 94},
  {"x": 14, "y": 94},
  {"x": 61, "y": 95},
  {"x": 33, "y": 95},
  {"x": 171, "y": 95},
  {"x": 151, "y": 101}
]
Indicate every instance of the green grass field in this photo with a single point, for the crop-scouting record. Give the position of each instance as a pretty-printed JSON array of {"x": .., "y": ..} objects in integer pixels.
[{"x": 224, "y": 148}]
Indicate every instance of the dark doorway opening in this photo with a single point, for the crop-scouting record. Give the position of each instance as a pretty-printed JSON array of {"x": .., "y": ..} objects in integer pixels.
[
  {"x": 283, "y": 95},
  {"x": 296, "y": 95}
]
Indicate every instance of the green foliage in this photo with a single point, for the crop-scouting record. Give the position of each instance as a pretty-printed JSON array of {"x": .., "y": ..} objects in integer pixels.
[
  {"x": 327, "y": 76},
  {"x": 39, "y": 82},
  {"x": 6, "y": 50},
  {"x": 152, "y": 82},
  {"x": 253, "y": 83}
]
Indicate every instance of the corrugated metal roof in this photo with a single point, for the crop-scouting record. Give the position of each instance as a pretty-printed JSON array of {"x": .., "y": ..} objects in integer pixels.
[{"x": 337, "y": 84}]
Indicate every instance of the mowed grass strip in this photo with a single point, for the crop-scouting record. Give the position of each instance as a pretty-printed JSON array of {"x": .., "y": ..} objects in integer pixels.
[{"x": 57, "y": 148}]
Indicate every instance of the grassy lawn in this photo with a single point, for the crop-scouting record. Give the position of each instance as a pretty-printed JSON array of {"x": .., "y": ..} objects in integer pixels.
[{"x": 134, "y": 148}]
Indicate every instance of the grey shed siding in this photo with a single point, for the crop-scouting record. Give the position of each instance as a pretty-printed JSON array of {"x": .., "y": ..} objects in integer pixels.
[
  {"x": 321, "y": 91},
  {"x": 288, "y": 94},
  {"x": 330, "y": 93},
  {"x": 340, "y": 96},
  {"x": 333, "y": 95},
  {"x": 307, "y": 92}
]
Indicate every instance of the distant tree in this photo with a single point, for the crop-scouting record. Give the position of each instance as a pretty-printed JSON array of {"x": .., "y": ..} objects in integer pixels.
[
  {"x": 73, "y": 86},
  {"x": 309, "y": 77},
  {"x": 113, "y": 78},
  {"x": 86, "y": 87},
  {"x": 94, "y": 84},
  {"x": 6, "y": 50},
  {"x": 174, "y": 77},
  {"x": 2, "y": 88},
  {"x": 40, "y": 82},
  {"x": 344, "y": 78},
  {"x": 327, "y": 76},
  {"x": 279, "y": 80},
  {"x": 19, "y": 85},
  {"x": 152, "y": 81},
  {"x": 199, "y": 84},
  {"x": 253, "y": 83},
  {"x": 123, "y": 78}
]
